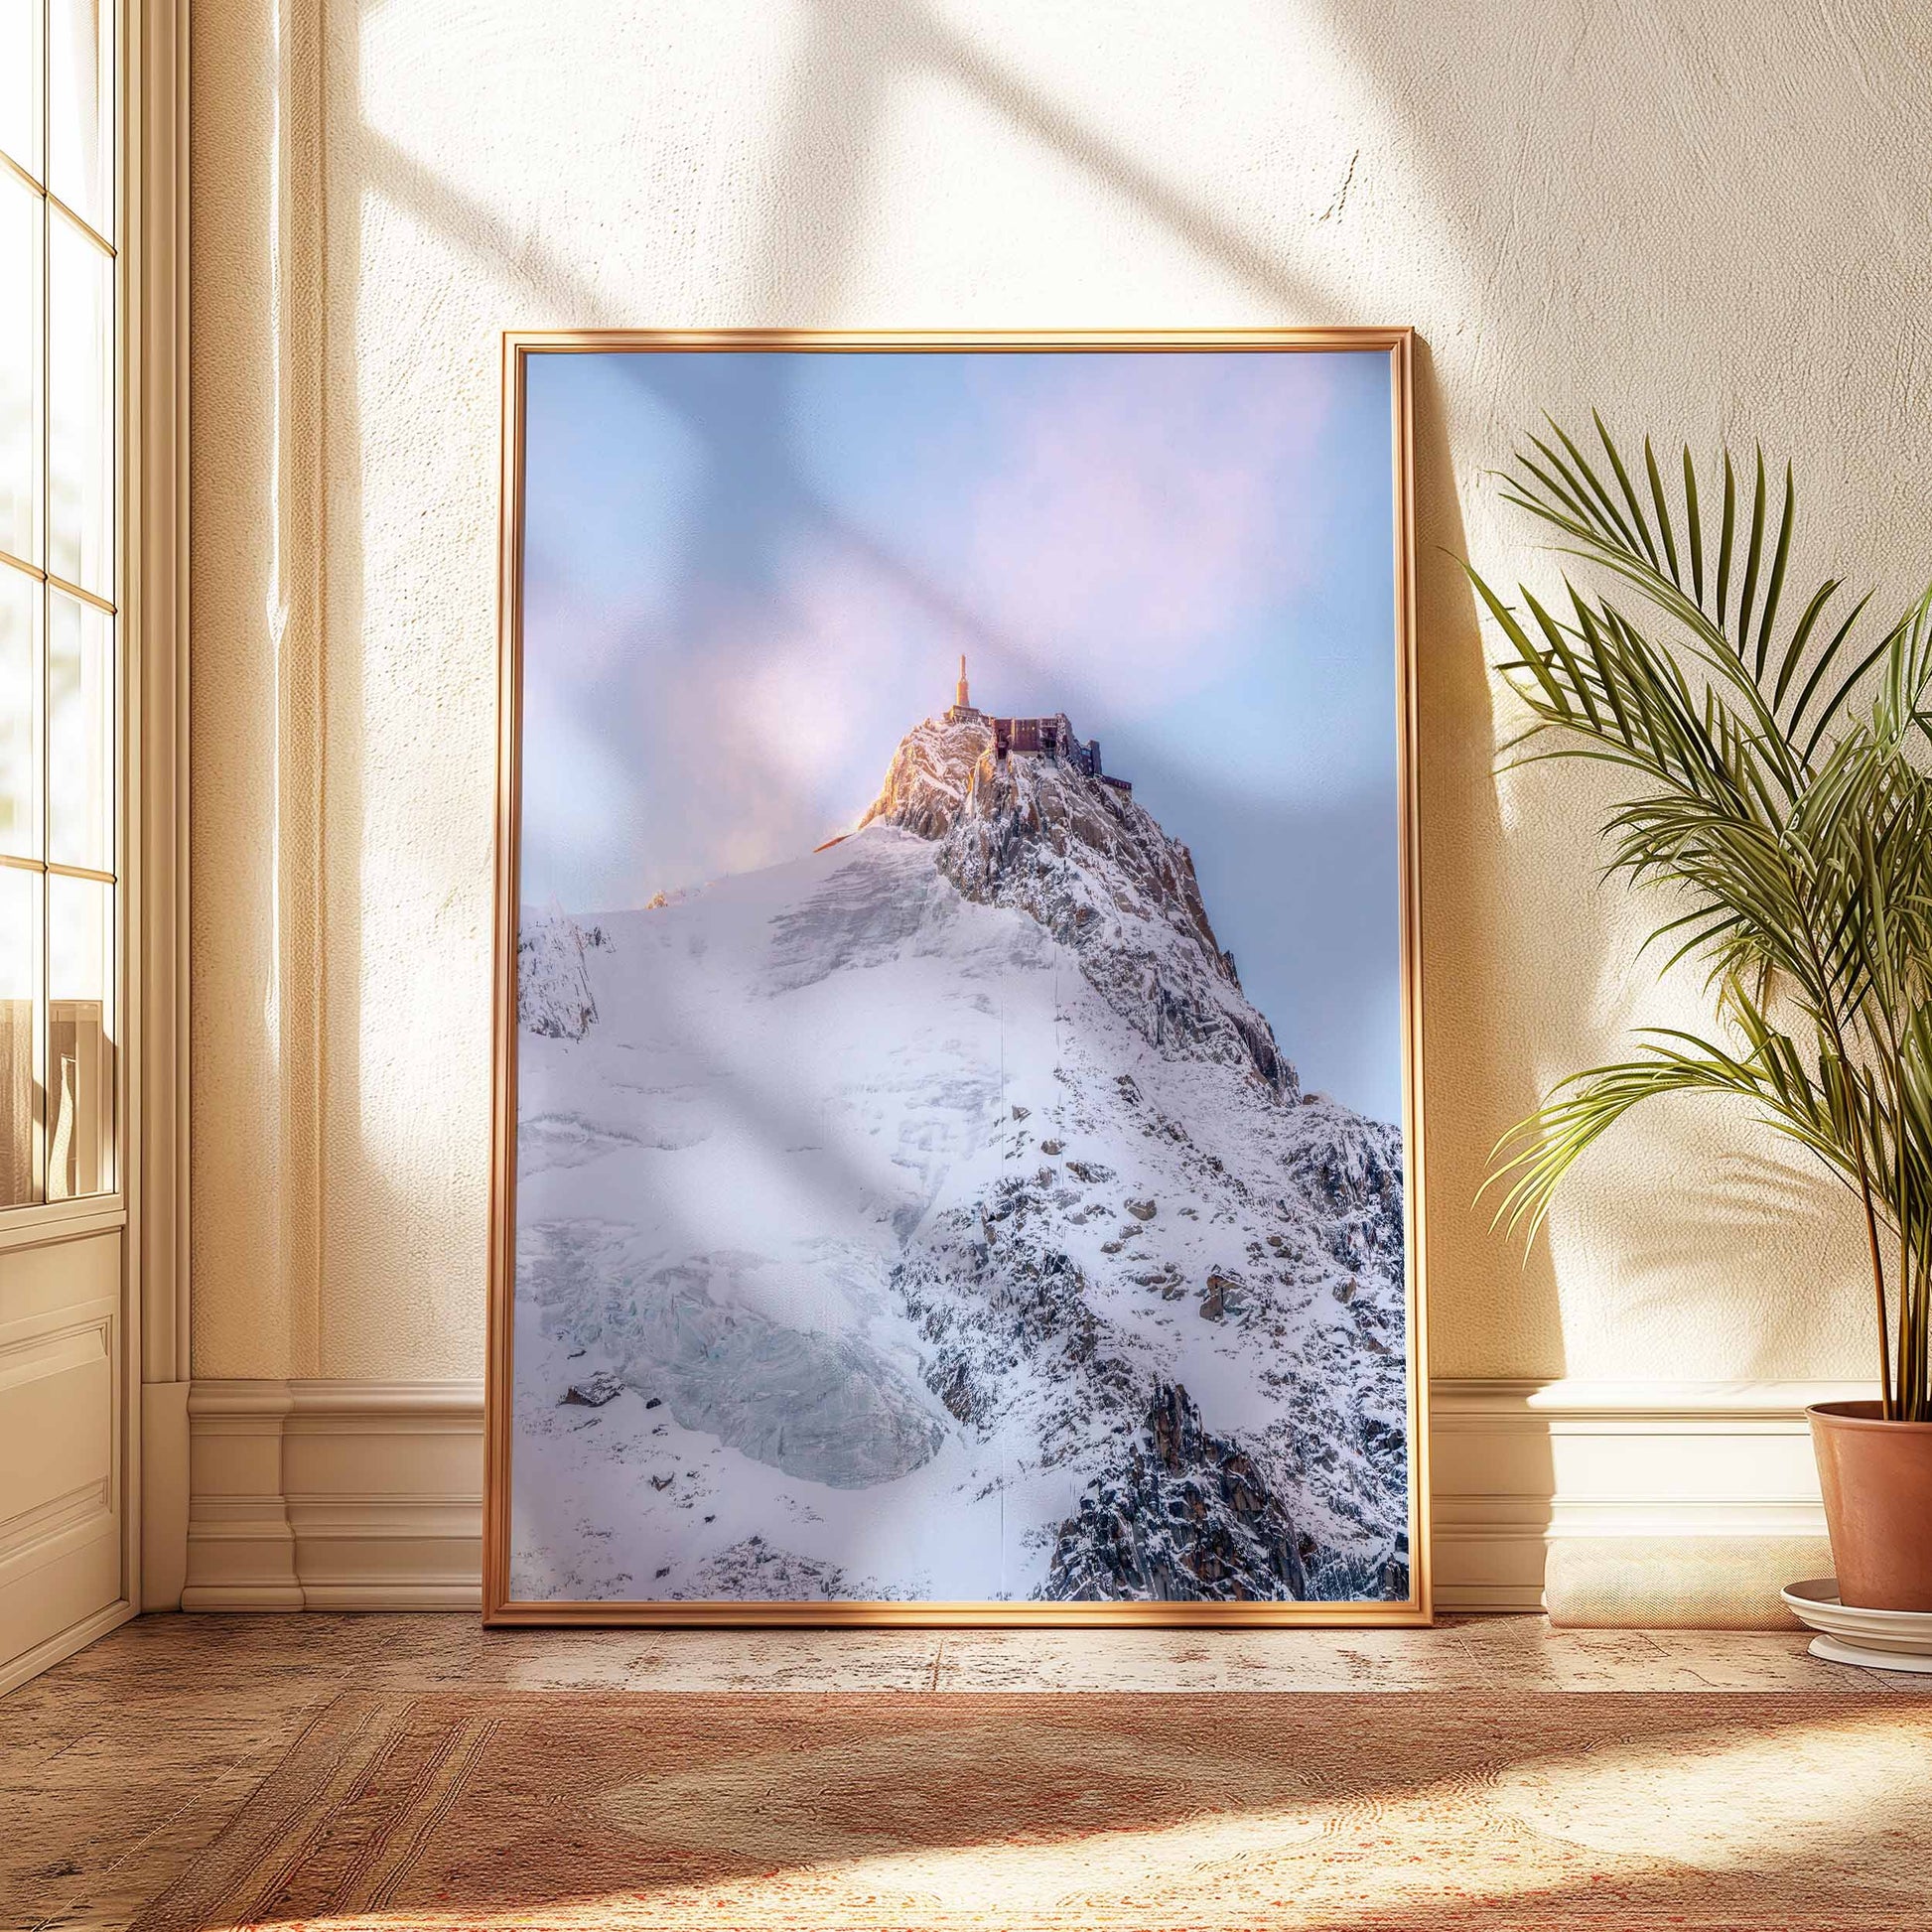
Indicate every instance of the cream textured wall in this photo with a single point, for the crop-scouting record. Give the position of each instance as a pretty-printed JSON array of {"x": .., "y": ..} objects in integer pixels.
[{"x": 1711, "y": 216}]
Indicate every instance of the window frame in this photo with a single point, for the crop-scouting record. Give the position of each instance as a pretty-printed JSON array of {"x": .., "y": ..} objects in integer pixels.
[{"x": 25, "y": 1223}]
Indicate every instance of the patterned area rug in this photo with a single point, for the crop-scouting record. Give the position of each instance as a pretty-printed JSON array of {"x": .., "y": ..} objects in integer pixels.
[{"x": 570, "y": 1811}]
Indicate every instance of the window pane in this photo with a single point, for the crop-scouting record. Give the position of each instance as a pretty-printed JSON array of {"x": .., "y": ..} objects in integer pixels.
[
  {"x": 80, "y": 1038},
  {"x": 79, "y": 110},
  {"x": 19, "y": 690},
  {"x": 79, "y": 456},
  {"x": 20, "y": 368},
  {"x": 20, "y": 946},
  {"x": 20, "y": 83},
  {"x": 79, "y": 733}
]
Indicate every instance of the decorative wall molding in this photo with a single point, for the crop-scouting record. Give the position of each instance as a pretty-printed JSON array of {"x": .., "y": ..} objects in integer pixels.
[
  {"x": 334, "y": 1496},
  {"x": 1686, "y": 1480},
  {"x": 369, "y": 1495}
]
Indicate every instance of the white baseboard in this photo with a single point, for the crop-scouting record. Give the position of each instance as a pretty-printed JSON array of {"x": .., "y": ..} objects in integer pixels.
[
  {"x": 369, "y": 1495},
  {"x": 334, "y": 1496},
  {"x": 1534, "y": 1480}
]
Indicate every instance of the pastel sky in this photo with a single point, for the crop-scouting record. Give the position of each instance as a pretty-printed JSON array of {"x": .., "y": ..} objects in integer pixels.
[{"x": 748, "y": 575}]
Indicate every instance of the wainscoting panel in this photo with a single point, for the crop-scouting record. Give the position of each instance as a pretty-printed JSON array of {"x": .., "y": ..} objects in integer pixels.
[
  {"x": 60, "y": 1488},
  {"x": 1660, "y": 1503}
]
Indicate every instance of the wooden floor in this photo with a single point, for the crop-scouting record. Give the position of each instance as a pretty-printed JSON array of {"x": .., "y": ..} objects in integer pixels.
[{"x": 118, "y": 1767}]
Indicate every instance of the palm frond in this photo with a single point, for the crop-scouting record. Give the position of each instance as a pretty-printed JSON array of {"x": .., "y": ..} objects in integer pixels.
[
  {"x": 1776, "y": 795},
  {"x": 1606, "y": 520}
]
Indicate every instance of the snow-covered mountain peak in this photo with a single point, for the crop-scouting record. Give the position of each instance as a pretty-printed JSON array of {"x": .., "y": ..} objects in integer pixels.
[
  {"x": 931, "y": 776},
  {"x": 1047, "y": 835},
  {"x": 926, "y": 1216}
]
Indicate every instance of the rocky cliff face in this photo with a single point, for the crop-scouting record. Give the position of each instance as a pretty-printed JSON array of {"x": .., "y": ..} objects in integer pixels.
[
  {"x": 1226, "y": 1225},
  {"x": 931, "y": 776},
  {"x": 1184, "y": 1516},
  {"x": 1186, "y": 1513},
  {"x": 1092, "y": 865},
  {"x": 553, "y": 986}
]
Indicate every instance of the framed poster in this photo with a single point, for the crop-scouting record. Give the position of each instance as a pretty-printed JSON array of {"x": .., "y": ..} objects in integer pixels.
[{"x": 957, "y": 1109}]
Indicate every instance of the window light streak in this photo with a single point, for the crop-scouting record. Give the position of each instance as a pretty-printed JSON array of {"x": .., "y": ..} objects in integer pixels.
[{"x": 1819, "y": 1797}]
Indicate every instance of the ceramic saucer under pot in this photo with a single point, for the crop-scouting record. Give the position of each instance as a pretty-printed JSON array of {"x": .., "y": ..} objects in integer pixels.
[{"x": 1875, "y": 1639}]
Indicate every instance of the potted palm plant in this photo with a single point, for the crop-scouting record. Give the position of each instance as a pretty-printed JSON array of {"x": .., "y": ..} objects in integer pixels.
[{"x": 1772, "y": 752}]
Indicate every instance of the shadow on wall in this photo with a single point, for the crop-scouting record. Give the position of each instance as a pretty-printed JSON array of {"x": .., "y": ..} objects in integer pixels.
[
  {"x": 355, "y": 1087},
  {"x": 1467, "y": 900},
  {"x": 371, "y": 1195}
]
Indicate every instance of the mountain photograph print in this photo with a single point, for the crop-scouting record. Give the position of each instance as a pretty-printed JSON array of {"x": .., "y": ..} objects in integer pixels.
[{"x": 956, "y": 1037}]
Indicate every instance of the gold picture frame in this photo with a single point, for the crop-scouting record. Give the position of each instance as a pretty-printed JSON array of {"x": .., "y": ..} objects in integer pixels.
[{"x": 501, "y": 1608}]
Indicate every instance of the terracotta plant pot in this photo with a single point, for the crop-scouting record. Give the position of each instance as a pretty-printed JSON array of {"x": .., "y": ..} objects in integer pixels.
[{"x": 1876, "y": 1477}]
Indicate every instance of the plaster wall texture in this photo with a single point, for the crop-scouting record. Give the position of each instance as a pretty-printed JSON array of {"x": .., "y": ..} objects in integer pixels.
[{"x": 1708, "y": 216}]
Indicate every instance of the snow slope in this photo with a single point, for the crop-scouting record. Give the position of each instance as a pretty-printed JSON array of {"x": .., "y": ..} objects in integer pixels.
[{"x": 954, "y": 1227}]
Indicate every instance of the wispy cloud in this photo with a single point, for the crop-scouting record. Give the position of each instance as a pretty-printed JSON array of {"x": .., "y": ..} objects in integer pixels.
[{"x": 1143, "y": 514}]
